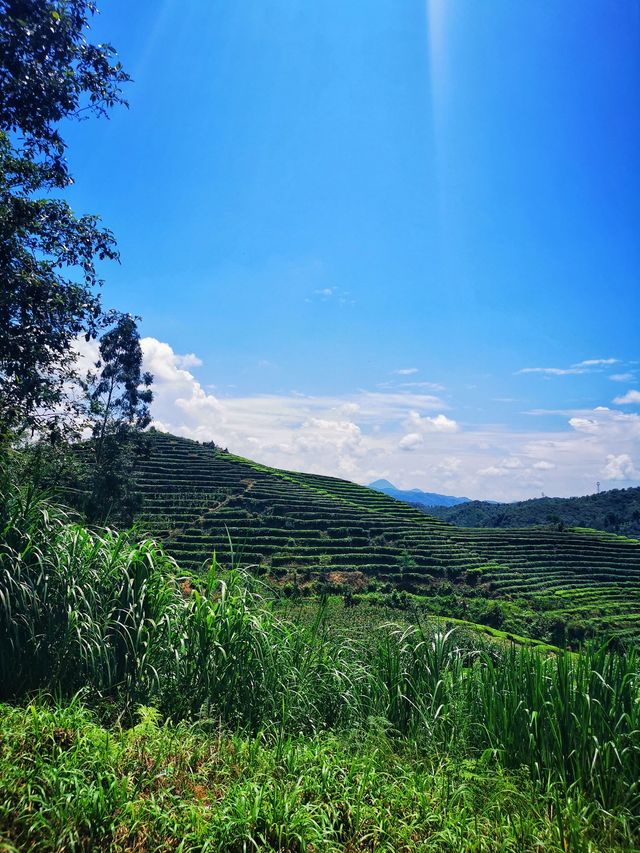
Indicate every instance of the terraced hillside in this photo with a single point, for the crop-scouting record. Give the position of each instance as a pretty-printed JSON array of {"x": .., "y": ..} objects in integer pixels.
[{"x": 305, "y": 527}]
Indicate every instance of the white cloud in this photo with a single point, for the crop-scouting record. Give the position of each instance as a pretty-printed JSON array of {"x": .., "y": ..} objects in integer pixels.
[
  {"x": 503, "y": 468},
  {"x": 338, "y": 443},
  {"x": 325, "y": 292},
  {"x": 492, "y": 471},
  {"x": 622, "y": 377},
  {"x": 620, "y": 467},
  {"x": 449, "y": 466},
  {"x": 188, "y": 360},
  {"x": 87, "y": 352},
  {"x": 433, "y": 386},
  {"x": 554, "y": 371},
  {"x": 405, "y": 371},
  {"x": 439, "y": 423},
  {"x": 586, "y": 366},
  {"x": 164, "y": 363},
  {"x": 365, "y": 435},
  {"x": 411, "y": 441},
  {"x": 511, "y": 462},
  {"x": 591, "y": 425},
  {"x": 629, "y": 397},
  {"x": 608, "y": 423}
]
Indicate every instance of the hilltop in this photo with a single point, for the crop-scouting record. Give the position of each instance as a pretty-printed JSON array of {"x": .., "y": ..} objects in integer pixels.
[
  {"x": 615, "y": 511},
  {"x": 309, "y": 532}
]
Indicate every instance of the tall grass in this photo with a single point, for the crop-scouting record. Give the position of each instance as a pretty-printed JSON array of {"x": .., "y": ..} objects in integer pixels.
[
  {"x": 80, "y": 609},
  {"x": 111, "y": 617},
  {"x": 70, "y": 784}
]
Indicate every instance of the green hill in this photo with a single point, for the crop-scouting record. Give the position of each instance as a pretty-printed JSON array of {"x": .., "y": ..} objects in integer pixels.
[
  {"x": 305, "y": 529},
  {"x": 615, "y": 511}
]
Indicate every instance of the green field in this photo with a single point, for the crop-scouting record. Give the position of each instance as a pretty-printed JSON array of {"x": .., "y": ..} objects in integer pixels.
[
  {"x": 144, "y": 709},
  {"x": 304, "y": 529}
]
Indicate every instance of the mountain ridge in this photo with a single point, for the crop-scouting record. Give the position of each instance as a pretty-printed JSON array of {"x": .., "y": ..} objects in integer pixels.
[
  {"x": 413, "y": 496},
  {"x": 614, "y": 511}
]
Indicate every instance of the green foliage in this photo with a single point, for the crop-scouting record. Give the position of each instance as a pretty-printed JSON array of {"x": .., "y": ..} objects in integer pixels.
[
  {"x": 616, "y": 511},
  {"x": 118, "y": 397},
  {"x": 49, "y": 72},
  {"x": 68, "y": 783},
  {"x": 118, "y": 391},
  {"x": 101, "y": 614},
  {"x": 406, "y": 561},
  {"x": 79, "y": 609}
]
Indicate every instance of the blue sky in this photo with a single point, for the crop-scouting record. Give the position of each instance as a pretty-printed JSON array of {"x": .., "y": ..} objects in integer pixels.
[{"x": 357, "y": 232}]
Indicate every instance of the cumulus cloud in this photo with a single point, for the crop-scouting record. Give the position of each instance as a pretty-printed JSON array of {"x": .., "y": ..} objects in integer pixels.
[
  {"x": 620, "y": 467},
  {"x": 609, "y": 423},
  {"x": 582, "y": 424},
  {"x": 629, "y": 397},
  {"x": 405, "y": 371},
  {"x": 543, "y": 465},
  {"x": 176, "y": 391},
  {"x": 411, "y": 441},
  {"x": 338, "y": 443},
  {"x": 188, "y": 360},
  {"x": 439, "y": 423}
]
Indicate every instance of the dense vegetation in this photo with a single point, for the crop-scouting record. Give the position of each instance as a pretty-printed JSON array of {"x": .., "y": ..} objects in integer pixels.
[
  {"x": 315, "y": 534},
  {"x": 616, "y": 511},
  {"x": 49, "y": 256},
  {"x": 271, "y": 734}
]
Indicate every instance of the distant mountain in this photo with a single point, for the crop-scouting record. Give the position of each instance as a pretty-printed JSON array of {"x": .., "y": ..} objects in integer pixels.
[
  {"x": 416, "y": 496},
  {"x": 616, "y": 511}
]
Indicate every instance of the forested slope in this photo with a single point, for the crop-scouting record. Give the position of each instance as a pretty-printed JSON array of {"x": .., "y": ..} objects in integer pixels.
[{"x": 615, "y": 511}]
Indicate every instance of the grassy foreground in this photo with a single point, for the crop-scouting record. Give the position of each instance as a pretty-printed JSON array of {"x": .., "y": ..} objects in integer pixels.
[
  {"x": 69, "y": 783},
  {"x": 262, "y": 733}
]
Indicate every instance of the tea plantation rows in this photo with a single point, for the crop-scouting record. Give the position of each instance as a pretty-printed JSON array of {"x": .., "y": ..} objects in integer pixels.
[{"x": 304, "y": 528}]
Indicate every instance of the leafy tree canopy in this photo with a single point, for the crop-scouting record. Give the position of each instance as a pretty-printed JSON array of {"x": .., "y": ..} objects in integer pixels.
[
  {"x": 118, "y": 396},
  {"x": 119, "y": 392},
  {"x": 49, "y": 72}
]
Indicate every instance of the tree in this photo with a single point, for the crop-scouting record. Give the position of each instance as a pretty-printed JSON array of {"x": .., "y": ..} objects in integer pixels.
[
  {"x": 49, "y": 72},
  {"x": 118, "y": 397},
  {"x": 119, "y": 392}
]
